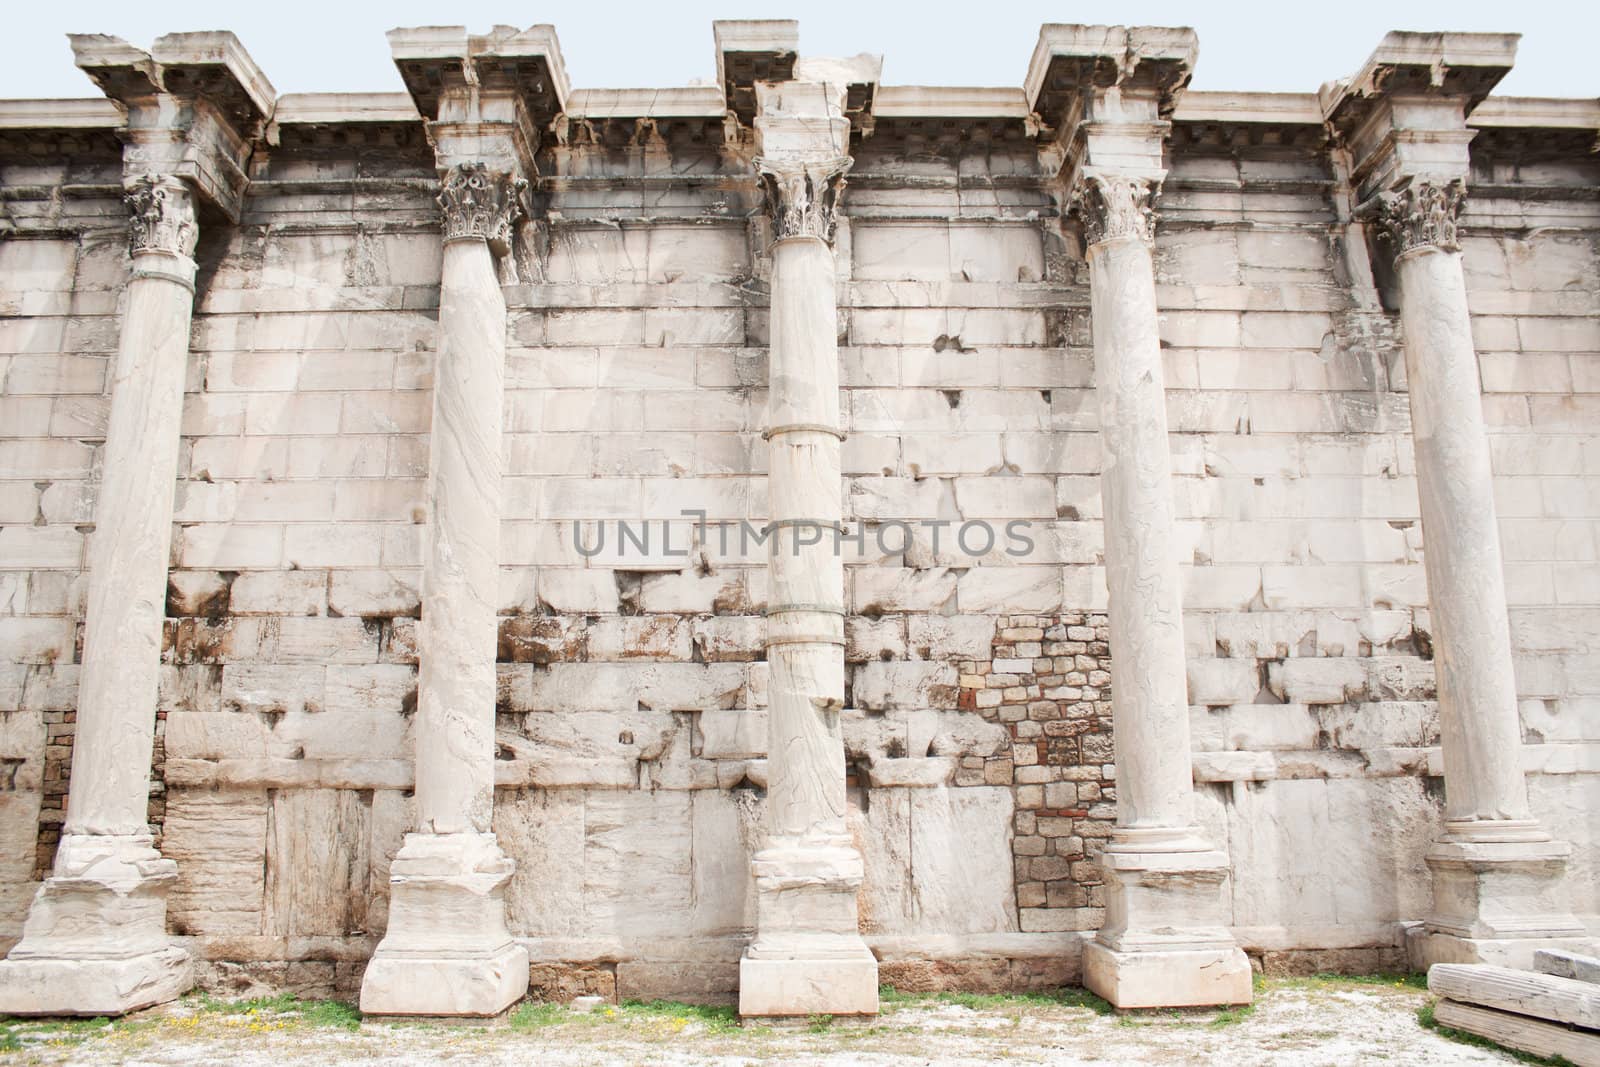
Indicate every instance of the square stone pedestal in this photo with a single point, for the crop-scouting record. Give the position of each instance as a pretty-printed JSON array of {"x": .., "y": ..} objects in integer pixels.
[
  {"x": 1496, "y": 901},
  {"x": 1165, "y": 943},
  {"x": 808, "y": 957},
  {"x": 835, "y": 986},
  {"x": 447, "y": 951},
  {"x": 95, "y": 941}
]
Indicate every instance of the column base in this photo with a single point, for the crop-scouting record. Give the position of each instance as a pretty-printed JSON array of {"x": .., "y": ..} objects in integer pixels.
[
  {"x": 94, "y": 987},
  {"x": 830, "y": 986},
  {"x": 95, "y": 940},
  {"x": 1166, "y": 942},
  {"x": 1158, "y": 978},
  {"x": 808, "y": 957},
  {"x": 447, "y": 951},
  {"x": 1498, "y": 897}
]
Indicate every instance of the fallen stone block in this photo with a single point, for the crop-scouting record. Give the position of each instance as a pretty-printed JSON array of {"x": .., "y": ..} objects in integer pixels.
[
  {"x": 1520, "y": 1032},
  {"x": 1565, "y": 964},
  {"x": 1540, "y": 996}
]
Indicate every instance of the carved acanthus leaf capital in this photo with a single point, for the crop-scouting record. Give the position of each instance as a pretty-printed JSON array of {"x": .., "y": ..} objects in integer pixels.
[
  {"x": 1422, "y": 215},
  {"x": 162, "y": 216},
  {"x": 483, "y": 203},
  {"x": 1115, "y": 206},
  {"x": 803, "y": 198}
]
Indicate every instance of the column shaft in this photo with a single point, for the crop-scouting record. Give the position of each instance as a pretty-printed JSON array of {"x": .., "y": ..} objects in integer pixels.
[
  {"x": 456, "y": 682},
  {"x": 1498, "y": 890},
  {"x": 805, "y": 635},
  {"x": 127, "y": 595},
  {"x": 1150, "y": 715},
  {"x": 1479, "y": 726}
]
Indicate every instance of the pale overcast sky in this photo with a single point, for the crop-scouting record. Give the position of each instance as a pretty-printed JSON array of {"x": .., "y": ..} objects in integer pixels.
[{"x": 1291, "y": 45}]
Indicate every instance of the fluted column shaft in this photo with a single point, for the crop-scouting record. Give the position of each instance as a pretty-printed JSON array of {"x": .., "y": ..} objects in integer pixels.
[{"x": 456, "y": 680}]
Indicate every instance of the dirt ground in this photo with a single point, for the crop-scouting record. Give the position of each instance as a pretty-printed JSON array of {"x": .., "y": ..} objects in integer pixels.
[{"x": 1335, "y": 1021}]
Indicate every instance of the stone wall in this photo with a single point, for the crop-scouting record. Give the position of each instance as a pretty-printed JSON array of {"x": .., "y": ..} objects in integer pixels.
[{"x": 631, "y": 709}]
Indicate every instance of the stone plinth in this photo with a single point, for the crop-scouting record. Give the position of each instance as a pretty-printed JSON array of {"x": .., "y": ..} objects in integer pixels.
[
  {"x": 448, "y": 951},
  {"x": 95, "y": 942}
]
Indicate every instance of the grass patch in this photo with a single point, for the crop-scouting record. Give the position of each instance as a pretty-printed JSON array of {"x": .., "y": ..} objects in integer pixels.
[
  {"x": 1428, "y": 1022},
  {"x": 1374, "y": 982},
  {"x": 713, "y": 1019},
  {"x": 286, "y": 1009},
  {"x": 536, "y": 1015},
  {"x": 1232, "y": 1016}
]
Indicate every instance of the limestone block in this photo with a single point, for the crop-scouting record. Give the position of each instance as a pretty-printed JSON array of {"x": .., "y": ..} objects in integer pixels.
[
  {"x": 272, "y": 689},
  {"x": 219, "y": 840},
  {"x": 375, "y": 687},
  {"x": 881, "y": 589},
  {"x": 732, "y": 734},
  {"x": 1317, "y": 681},
  {"x": 373, "y": 593},
  {"x": 543, "y": 831},
  {"x": 940, "y": 637},
  {"x": 874, "y": 638},
  {"x": 567, "y": 589},
  {"x": 1217, "y": 682},
  {"x": 903, "y": 684},
  {"x": 19, "y": 829},
  {"x": 639, "y": 638},
  {"x": 215, "y": 735},
  {"x": 938, "y": 861},
  {"x": 663, "y": 686},
  {"x": 1302, "y": 851},
  {"x": 629, "y": 832},
  {"x": 280, "y": 592},
  {"x": 729, "y": 827},
  {"x": 318, "y": 868},
  {"x": 1565, "y": 964},
  {"x": 1022, "y": 588}
]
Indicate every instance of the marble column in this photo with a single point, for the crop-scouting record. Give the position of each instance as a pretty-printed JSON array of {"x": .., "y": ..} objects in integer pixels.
[
  {"x": 95, "y": 940},
  {"x": 1165, "y": 941},
  {"x": 1497, "y": 874},
  {"x": 808, "y": 956},
  {"x": 447, "y": 950}
]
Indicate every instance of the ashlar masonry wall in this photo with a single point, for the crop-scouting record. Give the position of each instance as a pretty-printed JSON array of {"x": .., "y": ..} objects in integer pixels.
[{"x": 631, "y": 728}]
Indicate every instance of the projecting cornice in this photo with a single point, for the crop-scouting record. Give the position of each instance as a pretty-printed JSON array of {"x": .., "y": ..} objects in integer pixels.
[
  {"x": 1403, "y": 115},
  {"x": 195, "y": 105},
  {"x": 1071, "y": 61}
]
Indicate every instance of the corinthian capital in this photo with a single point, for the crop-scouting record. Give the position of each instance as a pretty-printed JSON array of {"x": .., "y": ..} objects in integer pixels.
[
  {"x": 162, "y": 217},
  {"x": 803, "y": 198},
  {"x": 1115, "y": 206},
  {"x": 1422, "y": 215},
  {"x": 479, "y": 202}
]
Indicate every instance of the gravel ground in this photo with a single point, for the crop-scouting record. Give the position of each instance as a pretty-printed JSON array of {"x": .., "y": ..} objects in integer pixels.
[{"x": 1294, "y": 1022}]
